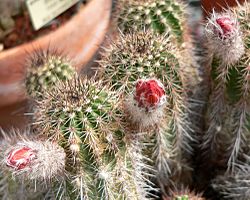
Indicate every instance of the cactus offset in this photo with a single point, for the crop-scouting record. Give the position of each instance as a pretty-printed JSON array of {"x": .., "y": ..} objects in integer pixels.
[
  {"x": 162, "y": 16},
  {"x": 44, "y": 70},
  {"x": 228, "y": 125}
]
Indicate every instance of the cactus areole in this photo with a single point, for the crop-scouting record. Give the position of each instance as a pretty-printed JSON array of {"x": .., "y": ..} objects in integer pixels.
[
  {"x": 226, "y": 26},
  {"x": 20, "y": 158},
  {"x": 149, "y": 94}
]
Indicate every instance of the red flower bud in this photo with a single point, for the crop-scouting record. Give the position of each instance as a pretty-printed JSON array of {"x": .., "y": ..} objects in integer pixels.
[
  {"x": 226, "y": 25},
  {"x": 149, "y": 93},
  {"x": 20, "y": 158}
]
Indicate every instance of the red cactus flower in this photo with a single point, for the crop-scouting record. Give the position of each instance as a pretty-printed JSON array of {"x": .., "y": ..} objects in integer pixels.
[
  {"x": 20, "y": 158},
  {"x": 149, "y": 93},
  {"x": 226, "y": 25}
]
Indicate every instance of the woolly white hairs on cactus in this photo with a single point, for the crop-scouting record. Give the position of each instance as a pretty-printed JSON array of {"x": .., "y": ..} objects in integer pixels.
[
  {"x": 225, "y": 37},
  {"x": 33, "y": 159},
  {"x": 140, "y": 117},
  {"x": 148, "y": 94}
]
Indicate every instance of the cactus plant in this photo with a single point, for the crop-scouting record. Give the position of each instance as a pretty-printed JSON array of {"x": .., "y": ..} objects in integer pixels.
[
  {"x": 83, "y": 116},
  {"x": 44, "y": 69},
  {"x": 147, "y": 56},
  {"x": 27, "y": 165},
  {"x": 119, "y": 133},
  {"x": 162, "y": 16},
  {"x": 228, "y": 129}
]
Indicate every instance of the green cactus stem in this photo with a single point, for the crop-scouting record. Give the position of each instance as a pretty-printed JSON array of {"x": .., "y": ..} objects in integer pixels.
[
  {"x": 84, "y": 117},
  {"x": 228, "y": 113},
  {"x": 44, "y": 69},
  {"x": 161, "y": 16}
]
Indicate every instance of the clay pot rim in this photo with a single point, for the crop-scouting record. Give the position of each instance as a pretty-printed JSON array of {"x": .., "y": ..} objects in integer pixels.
[{"x": 79, "y": 43}]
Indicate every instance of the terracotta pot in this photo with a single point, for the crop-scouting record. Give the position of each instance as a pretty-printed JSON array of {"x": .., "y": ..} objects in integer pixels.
[
  {"x": 218, "y": 5},
  {"x": 79, "y": 38}
]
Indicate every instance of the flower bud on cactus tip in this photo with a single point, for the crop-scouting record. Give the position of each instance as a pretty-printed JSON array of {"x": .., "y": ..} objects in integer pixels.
[
  {"x": 20, "y": 158},
  {"x": 225, "y": 37},
  {"x": 226, "y": 25},
  {"x": 149, "y": 94},
  {"x": 145, "y": 105}
]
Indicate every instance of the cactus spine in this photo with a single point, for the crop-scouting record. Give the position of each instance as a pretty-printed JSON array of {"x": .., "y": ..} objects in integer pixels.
[
  {"x": 83, "y": 117},
  {"x": 228, "y": 124},
  {"x": 44, "y": 69},
  {"x": 162, "y": 16},
  {"x": 147, "y": 56}
]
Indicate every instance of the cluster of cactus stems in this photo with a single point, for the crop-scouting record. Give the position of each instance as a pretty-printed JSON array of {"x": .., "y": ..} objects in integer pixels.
[{"x": 122, "y": 134}]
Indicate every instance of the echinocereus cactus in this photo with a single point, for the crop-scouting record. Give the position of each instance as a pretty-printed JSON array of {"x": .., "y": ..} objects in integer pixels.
[
  {"x": 83, "y": 116},
  {"x": 144, "y": 55},
  {"x": 44, "y": 69},
  {"x": 228, "y": 113},
  {"x": 161, "y": 16},
  {"x": 28, "y": 165}
]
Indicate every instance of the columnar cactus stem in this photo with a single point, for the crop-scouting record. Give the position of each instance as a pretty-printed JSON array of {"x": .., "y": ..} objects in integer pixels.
[
  {"x": 83, "y": 116},
  {"x": 134, "y": 57},
  {"x": 161, "y": 16},
  {"x": 228, "y": 36}
]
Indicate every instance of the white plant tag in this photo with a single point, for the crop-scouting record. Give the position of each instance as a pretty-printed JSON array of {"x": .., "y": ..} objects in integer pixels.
[{"x": 43, "y": 11}]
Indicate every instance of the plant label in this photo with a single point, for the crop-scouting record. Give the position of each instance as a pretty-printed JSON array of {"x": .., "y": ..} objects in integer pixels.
[{"x": 43, "y": 11}]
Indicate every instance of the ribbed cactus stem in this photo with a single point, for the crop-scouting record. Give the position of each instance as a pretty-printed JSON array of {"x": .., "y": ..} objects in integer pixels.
[
  {"x": 228, "y": 111},
  {"x": 44, "y": 69},
  {"x": 143, "y": 58},
  {"x": 83, "y": 116},
  {"x": 160, "y": 16}
]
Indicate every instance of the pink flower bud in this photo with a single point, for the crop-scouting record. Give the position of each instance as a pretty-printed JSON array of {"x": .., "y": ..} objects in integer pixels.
[
  {"x": 226, "y": 24},
  {"x": 149, "y": 93},
  {"x": 20, "y": 158}
]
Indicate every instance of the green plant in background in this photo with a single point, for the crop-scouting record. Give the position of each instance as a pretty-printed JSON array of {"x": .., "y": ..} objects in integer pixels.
[
  {"x": 44, "y": 69},
  {"x": 161, "y": 16}
]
